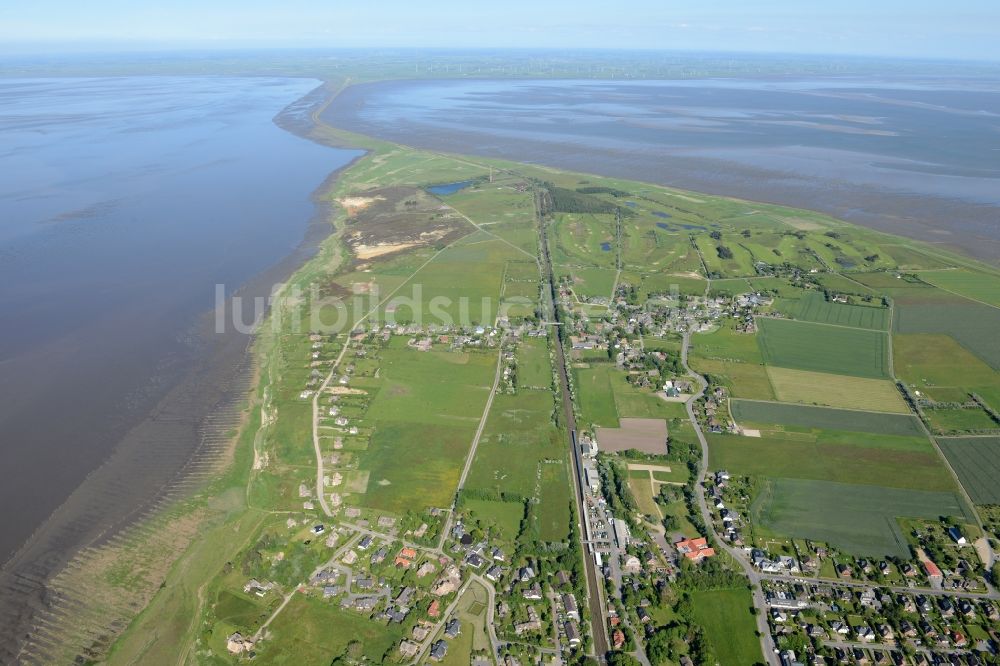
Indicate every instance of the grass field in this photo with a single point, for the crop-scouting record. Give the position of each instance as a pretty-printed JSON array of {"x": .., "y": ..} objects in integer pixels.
[
  {"x": 425, "y": 414},
  {"x": 593, "y": 282},
  {"x": 518, "y": 436},
  {"x": 302, "y": 634},
  {"x": 595, "y": 395},
  {"x": 642, "y": 491},
  {"x": 744, "y": 380},
  {"x": 836, "y": 390},
  {"x": 729, "y": 625},
  {"x": 881, "y": 460},
  {"x": 822, "y": 348},
  {"x": 926, "y": 359},
  {"x": 504, "y": 516},
  {"x": 960, "y": 420},
  {"x": 976, "y": 460},
  {"x": 978, "y": 286},
  {"x": 812, "y": 306},
  {"x": 553, "y": 513},
  {"x": 859, "y": 519},
  {"x": 755, "y": 413},
  {"x": 534, "y": 368}
]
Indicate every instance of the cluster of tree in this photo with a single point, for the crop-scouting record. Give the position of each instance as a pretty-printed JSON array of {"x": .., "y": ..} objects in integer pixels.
[
  {"x": 724, "y": 252},
  {"x": 564, "y": 200},
  {"x": 669, "y": 642},
  {"x": 253, "y": 558},
  {"x": 617, "y": 491},
  {"x": 596, "y": 189},
  {"x": 709, "y": 574}
]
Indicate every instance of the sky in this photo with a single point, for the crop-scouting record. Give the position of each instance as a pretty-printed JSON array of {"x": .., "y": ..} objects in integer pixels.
[{"x": 962, "y": 29}]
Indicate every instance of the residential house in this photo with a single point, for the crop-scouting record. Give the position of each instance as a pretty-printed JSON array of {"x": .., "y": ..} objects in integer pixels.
[{"x": 439, "y": 650}]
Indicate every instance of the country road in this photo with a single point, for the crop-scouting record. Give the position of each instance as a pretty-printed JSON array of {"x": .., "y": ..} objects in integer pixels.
[{"x": 766, "y": 643}]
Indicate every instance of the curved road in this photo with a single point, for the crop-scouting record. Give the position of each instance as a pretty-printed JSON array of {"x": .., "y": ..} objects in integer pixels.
[{"x": 766, "y": 643}]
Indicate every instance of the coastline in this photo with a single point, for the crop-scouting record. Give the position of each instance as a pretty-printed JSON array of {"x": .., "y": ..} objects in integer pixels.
[
  {"x": 922, "y": 216},
  {"x": 224, "y": 519},
  {"x": 182, "y": 446}
]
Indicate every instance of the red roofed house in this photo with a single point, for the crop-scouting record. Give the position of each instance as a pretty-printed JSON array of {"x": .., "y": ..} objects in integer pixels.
[
  {"x": 434, "y": 609},
  {"x": 695, "y": 549},
  {"x": 932, "y": 570}
]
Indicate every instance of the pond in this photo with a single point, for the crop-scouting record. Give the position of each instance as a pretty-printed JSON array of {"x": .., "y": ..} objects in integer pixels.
[{"x": 449, "y": 188}]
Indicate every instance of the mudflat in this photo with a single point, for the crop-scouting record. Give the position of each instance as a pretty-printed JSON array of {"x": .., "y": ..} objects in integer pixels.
[
  {"x": 866, "y": 152},
  {"x": 124, "y": 203}
]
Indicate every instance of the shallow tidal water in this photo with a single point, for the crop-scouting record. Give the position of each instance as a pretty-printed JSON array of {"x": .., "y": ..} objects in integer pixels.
[
  {"x": 123, "y": 203},
  {"x": 914, "y": 156}
]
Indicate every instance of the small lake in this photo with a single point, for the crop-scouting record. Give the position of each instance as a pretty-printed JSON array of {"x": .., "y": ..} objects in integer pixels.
[{"x": 449, "y": 188}]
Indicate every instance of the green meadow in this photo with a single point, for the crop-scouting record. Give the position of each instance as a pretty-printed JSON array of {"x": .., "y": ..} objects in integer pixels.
[
  {"x": 727, "y": 618},
  {"x": 824, "y": 348},
  {"x": 859, "y": 519},
  {"x": 534, "y": 367}
]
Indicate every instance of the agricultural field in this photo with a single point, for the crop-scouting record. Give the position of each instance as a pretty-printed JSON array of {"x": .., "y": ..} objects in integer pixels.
[
  {"x": 859, "y": 519},
  {"x": 646, "y": 435},
  {"x": 820, "y": 388},
  {"x": 727, "y": 618},
  {"x": 822, "y": 348},
  {"x": 975, "y": 285},
  {"x": 812, "y": 306},
  {"x": 857, "y": 458},
  {"x": 926, "y": 360},
  {"x": 755, "y": 413},
  {"x": 976, "y": 460},
  {"x": 973, "y": 325}
]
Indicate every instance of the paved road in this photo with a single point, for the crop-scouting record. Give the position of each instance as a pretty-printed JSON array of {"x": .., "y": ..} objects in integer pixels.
[{"x": 766, "y": 643}]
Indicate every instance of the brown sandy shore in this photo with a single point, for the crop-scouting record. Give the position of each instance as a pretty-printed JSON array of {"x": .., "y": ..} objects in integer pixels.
[{"x": 163, "y": 457}]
